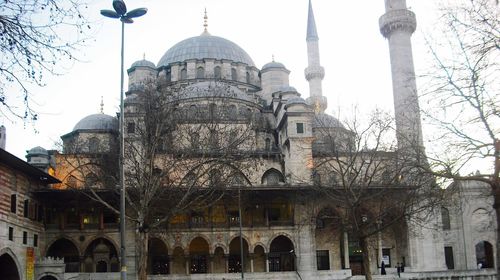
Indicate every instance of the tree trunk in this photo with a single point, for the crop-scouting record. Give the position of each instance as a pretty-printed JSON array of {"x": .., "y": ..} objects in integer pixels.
[
  {"x": 366, "y": 258},
  {"x": 142, "y": 251}
]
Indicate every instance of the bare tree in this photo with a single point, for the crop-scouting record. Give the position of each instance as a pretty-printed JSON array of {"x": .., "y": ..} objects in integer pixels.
[
  {"x": 181, "y": 155},
  {"x": 36, "y": 37},
  {"x": 461, "y": 96},
  {"x": 373, "y": 186}
]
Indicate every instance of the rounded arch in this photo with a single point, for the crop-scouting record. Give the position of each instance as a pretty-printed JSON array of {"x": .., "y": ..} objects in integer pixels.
[
  {"x": 272, "y": 176},
  {"x": 158, "y": 260},
  {"x": 202, "y": 236},
  {"x": 484, "y": 255},
  {"x": 66, "y": 249},
  {"x": 224, "y": 248},
  {"x": 178, "y": 261},
  {"x": 48, "y": 276},
  {"x": 257, "y": 244},
  {"x": 101, "y": 256},
  {"x": 199, "y": 250},
  {"x": 69, "y": 238},
  {"x": 259, "y": 255},
  {"x": 245, "y": 238},
  {"x": 281, "y": 254},
  {"x": 235, "y": 254},
  {"x": 9, "y": 265},
  {"x": 278, "y": 235}
]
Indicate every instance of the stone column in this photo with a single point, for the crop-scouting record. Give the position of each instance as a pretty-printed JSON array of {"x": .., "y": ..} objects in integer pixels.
[
  {"x": 187, "y": 265},
  {"x": 346, "y": 251},
  {"x": 251, "y": 256},
  {"x": 211, "y": 259},
  {"x": 170, "y": 263},
  {"x": 174, "y": 72},
  {"x": 379, "y": 246},
  {"x": 226, "y": 258},
  {"x": 191, "y": 68},
  {"x": 267, "y": 262}
]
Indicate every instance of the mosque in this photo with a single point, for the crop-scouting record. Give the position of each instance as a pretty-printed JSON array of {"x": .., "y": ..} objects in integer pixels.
[{"x": 50, "y": 232}]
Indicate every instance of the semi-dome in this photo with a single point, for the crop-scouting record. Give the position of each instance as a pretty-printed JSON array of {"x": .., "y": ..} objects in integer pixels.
[
  {"x": 143, "y": 63},
  {"x": 97, "y": 122},
  {"x": 273, "y": 64},
  {"x": 205, "y": 46},
  {"x": 326, "y": 121},
  {"x": 37, "y": 151}
]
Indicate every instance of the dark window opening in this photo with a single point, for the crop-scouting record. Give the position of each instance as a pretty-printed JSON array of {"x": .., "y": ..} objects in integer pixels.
[
  {"x": 130, "y": 127},
  {"x": 26, "y": 208},
  {"x": 11, "y": 233},
  {"x": 300, "y": 128},
  {"x": 25, "y": 237},
  {"x": 323, "y": 259},
  {"x": 448, "y": 256},
  {"x": 13, "y": 203},
  {"x": 35, "y": 240}
]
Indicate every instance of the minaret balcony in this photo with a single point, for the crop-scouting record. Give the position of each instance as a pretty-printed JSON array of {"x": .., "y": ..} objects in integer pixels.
[
  {"x": 314, "y": 72},
  {"x": 397, "y": 20}
]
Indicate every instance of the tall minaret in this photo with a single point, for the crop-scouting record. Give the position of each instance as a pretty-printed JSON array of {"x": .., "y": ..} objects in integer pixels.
[
  {"x": 314, "y": 72},
  {"x": 397, "y": 25}
]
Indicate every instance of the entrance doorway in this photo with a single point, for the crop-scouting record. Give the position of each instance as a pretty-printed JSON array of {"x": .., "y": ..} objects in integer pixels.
[{"x": 8, "y": 268}]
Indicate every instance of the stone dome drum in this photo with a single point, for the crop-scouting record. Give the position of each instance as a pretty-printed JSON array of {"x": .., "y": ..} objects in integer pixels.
[
  {"x": 205, "y": 46},
  {"x": 97, "y": 122}
]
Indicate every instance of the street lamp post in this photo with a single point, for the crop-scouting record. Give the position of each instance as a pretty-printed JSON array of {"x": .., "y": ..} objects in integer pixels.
[{"x": 120, "y": 12}]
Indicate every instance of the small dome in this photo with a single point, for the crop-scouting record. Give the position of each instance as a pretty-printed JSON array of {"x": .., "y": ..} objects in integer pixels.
[
  {"x": 326, "y": 121},
  {"x": 287, "y": 89},
  {"x": 205, "y": 46},
  {"x": 273, "y": 64},
  {"x": 37, "y": 151},
  {"x": 143, "y": 63},
  {"x": 97, "y": 122},
  {"x": 296, "y": 100}
]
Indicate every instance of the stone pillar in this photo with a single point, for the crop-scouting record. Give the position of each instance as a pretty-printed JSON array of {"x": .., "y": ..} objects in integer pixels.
[
  {"x": 379, "y": 246},
  {"x": 191, "y": 68},
  {"x": 170, "y": 263},
  {"x": 209, "y": 68},
  {"x": 175, "y": 74},
  {"x": 251, "y": 256},
  {"x": 346, "y": 251},
  {"x": 267, "y": 262},
  {"x": 187, "y": 264},
  {"x": 211, "y": 259},
  {"x": 226, "y": 259},
  {"x": 226, "y": 69}
]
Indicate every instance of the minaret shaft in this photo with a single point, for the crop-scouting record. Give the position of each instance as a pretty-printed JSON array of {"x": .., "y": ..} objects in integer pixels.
[{"x": 397, "y": 25}]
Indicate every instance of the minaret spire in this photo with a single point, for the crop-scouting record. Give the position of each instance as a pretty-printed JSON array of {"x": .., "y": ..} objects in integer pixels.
[
  {"x": 314, "y": 72},
  {"x": 102, "y": 105}
]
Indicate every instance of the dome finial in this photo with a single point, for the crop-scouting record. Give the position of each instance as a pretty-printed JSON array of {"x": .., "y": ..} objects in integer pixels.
[
  {"x": 205, "y": 23},
  {"x": 144, "y": 56},
  {"x": 102, "y": 106},
  {"x": 205, "y": 20},
  {"x": 273, "y": 57}
]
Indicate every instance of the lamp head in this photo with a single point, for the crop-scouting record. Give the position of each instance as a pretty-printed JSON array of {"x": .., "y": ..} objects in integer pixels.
[
  {"x": 137, "y": 13},
  {"x": 120, "y": 7},
  {"x": 110, "y": 14}
]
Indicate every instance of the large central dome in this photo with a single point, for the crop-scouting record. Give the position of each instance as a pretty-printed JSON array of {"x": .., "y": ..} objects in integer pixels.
[{"x": 205, "y": 46}]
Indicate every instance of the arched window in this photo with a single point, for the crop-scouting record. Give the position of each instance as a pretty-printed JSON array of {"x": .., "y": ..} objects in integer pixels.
[
  {"x": 217, "y": 72},
  {"x": 234, "y": 75},
  {"x": 445, "y": 218},
  {"x": 213, "y": 140},
  {"x": 272, "y": 177},
  {"x": 168, "y": 75},
  {"x": 183, "y": 74},
  {"x": 212, "y": 109},
  {"x": 65, "y": 249},
  {"x": 281, "y": 256},
  {"x": 200, "y": 73},
  {"x": 195, "y": 141},
  {"x": 248, "y": 78},
  {"x": 93, "y": 145},
  {"x": 484, "y": 254},
  {"x": 198, "y": 252},
  {"x": 268, "y": 144}
]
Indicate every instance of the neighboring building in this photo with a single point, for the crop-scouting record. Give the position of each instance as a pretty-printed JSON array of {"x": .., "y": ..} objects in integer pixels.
[
  {"x": 22, "y": 229},
  {"x": 284, "y": 236}
]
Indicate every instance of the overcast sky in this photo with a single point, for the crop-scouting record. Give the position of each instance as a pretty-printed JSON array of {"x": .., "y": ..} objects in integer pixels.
[{"x": 353, "y": 52}]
